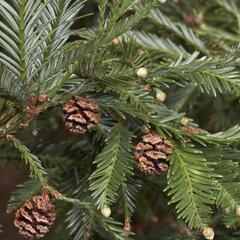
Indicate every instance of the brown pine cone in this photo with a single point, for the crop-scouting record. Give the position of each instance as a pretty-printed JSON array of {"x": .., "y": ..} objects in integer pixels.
[
  {"x": 151, "y": 153},
  {"x": 80, "y": 114},
  {"x": 36, "y": 216}
]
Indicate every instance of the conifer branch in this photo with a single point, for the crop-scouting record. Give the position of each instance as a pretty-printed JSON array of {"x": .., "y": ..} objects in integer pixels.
[
  {"x": 191, "y": 185},
  {"x": 34, "y": 163},
  {"x": 8, "y": 86},
  {"x": 179, "y": 29},
  {"x": 114, "y": 164},
  {"x": 128, "y": 197},
  {"x": 210, "y": 74},
  {"x": 110, "y": 226},
  {"x": 164, "y": 46}
]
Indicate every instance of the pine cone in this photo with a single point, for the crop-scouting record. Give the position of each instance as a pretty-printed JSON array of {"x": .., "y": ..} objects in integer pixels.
[
  {"x": 151, "y": 153},
  {"x": 36, "y": 216},
  {"x": 80, "y": 114}
]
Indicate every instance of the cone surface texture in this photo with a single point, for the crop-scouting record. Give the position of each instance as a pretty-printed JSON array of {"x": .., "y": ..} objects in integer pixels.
[
  {"x": 151, "y": 153},
  {"x": 80, "y": 114},
  {"x": 35, "y": 218}
]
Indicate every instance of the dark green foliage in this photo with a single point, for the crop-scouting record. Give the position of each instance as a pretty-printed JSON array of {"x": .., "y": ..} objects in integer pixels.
[
  {"x": 114, "y": 164},
  {"x": 191, "y": 186},
  {"x": 190, "y": 51}
]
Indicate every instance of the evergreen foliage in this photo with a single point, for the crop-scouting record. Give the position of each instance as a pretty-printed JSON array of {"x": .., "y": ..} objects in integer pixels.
[{"x": 190, "y": 49}]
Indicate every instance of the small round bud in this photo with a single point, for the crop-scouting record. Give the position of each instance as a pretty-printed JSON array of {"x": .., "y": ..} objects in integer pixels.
[
  {"x": 162, "y": 1},
  {"x": 115, "y": 42},
  {"x": 147, "y": 87},
  {"x": 146, "y": 129},
  {"x": 227, "y": 226},
  {"x": 161, "y": 96},
  {"x": 238, "y": 211},
  {"x": 227, "y": 210},
  {"x": 185, "y": 121},
  {"x": 193, "y": 21},
  {"x": 142, "y": 72},
  {"x": 141, "y": 52},
  {"x": 24, "y": 124},
  {"x": 106, "y": 211},
  {"x": 35, "y": 132},
  {"x": 127, "y": 225},
  {"x": 126, "y": 228},
  {"x": 9, "y": 137},
  {"x": 208, "y": 233},
  {"x": 43, "y": 98}
]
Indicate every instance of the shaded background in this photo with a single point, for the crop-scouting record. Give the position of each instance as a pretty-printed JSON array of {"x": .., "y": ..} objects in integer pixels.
[{"x": 10, "y": 177}]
